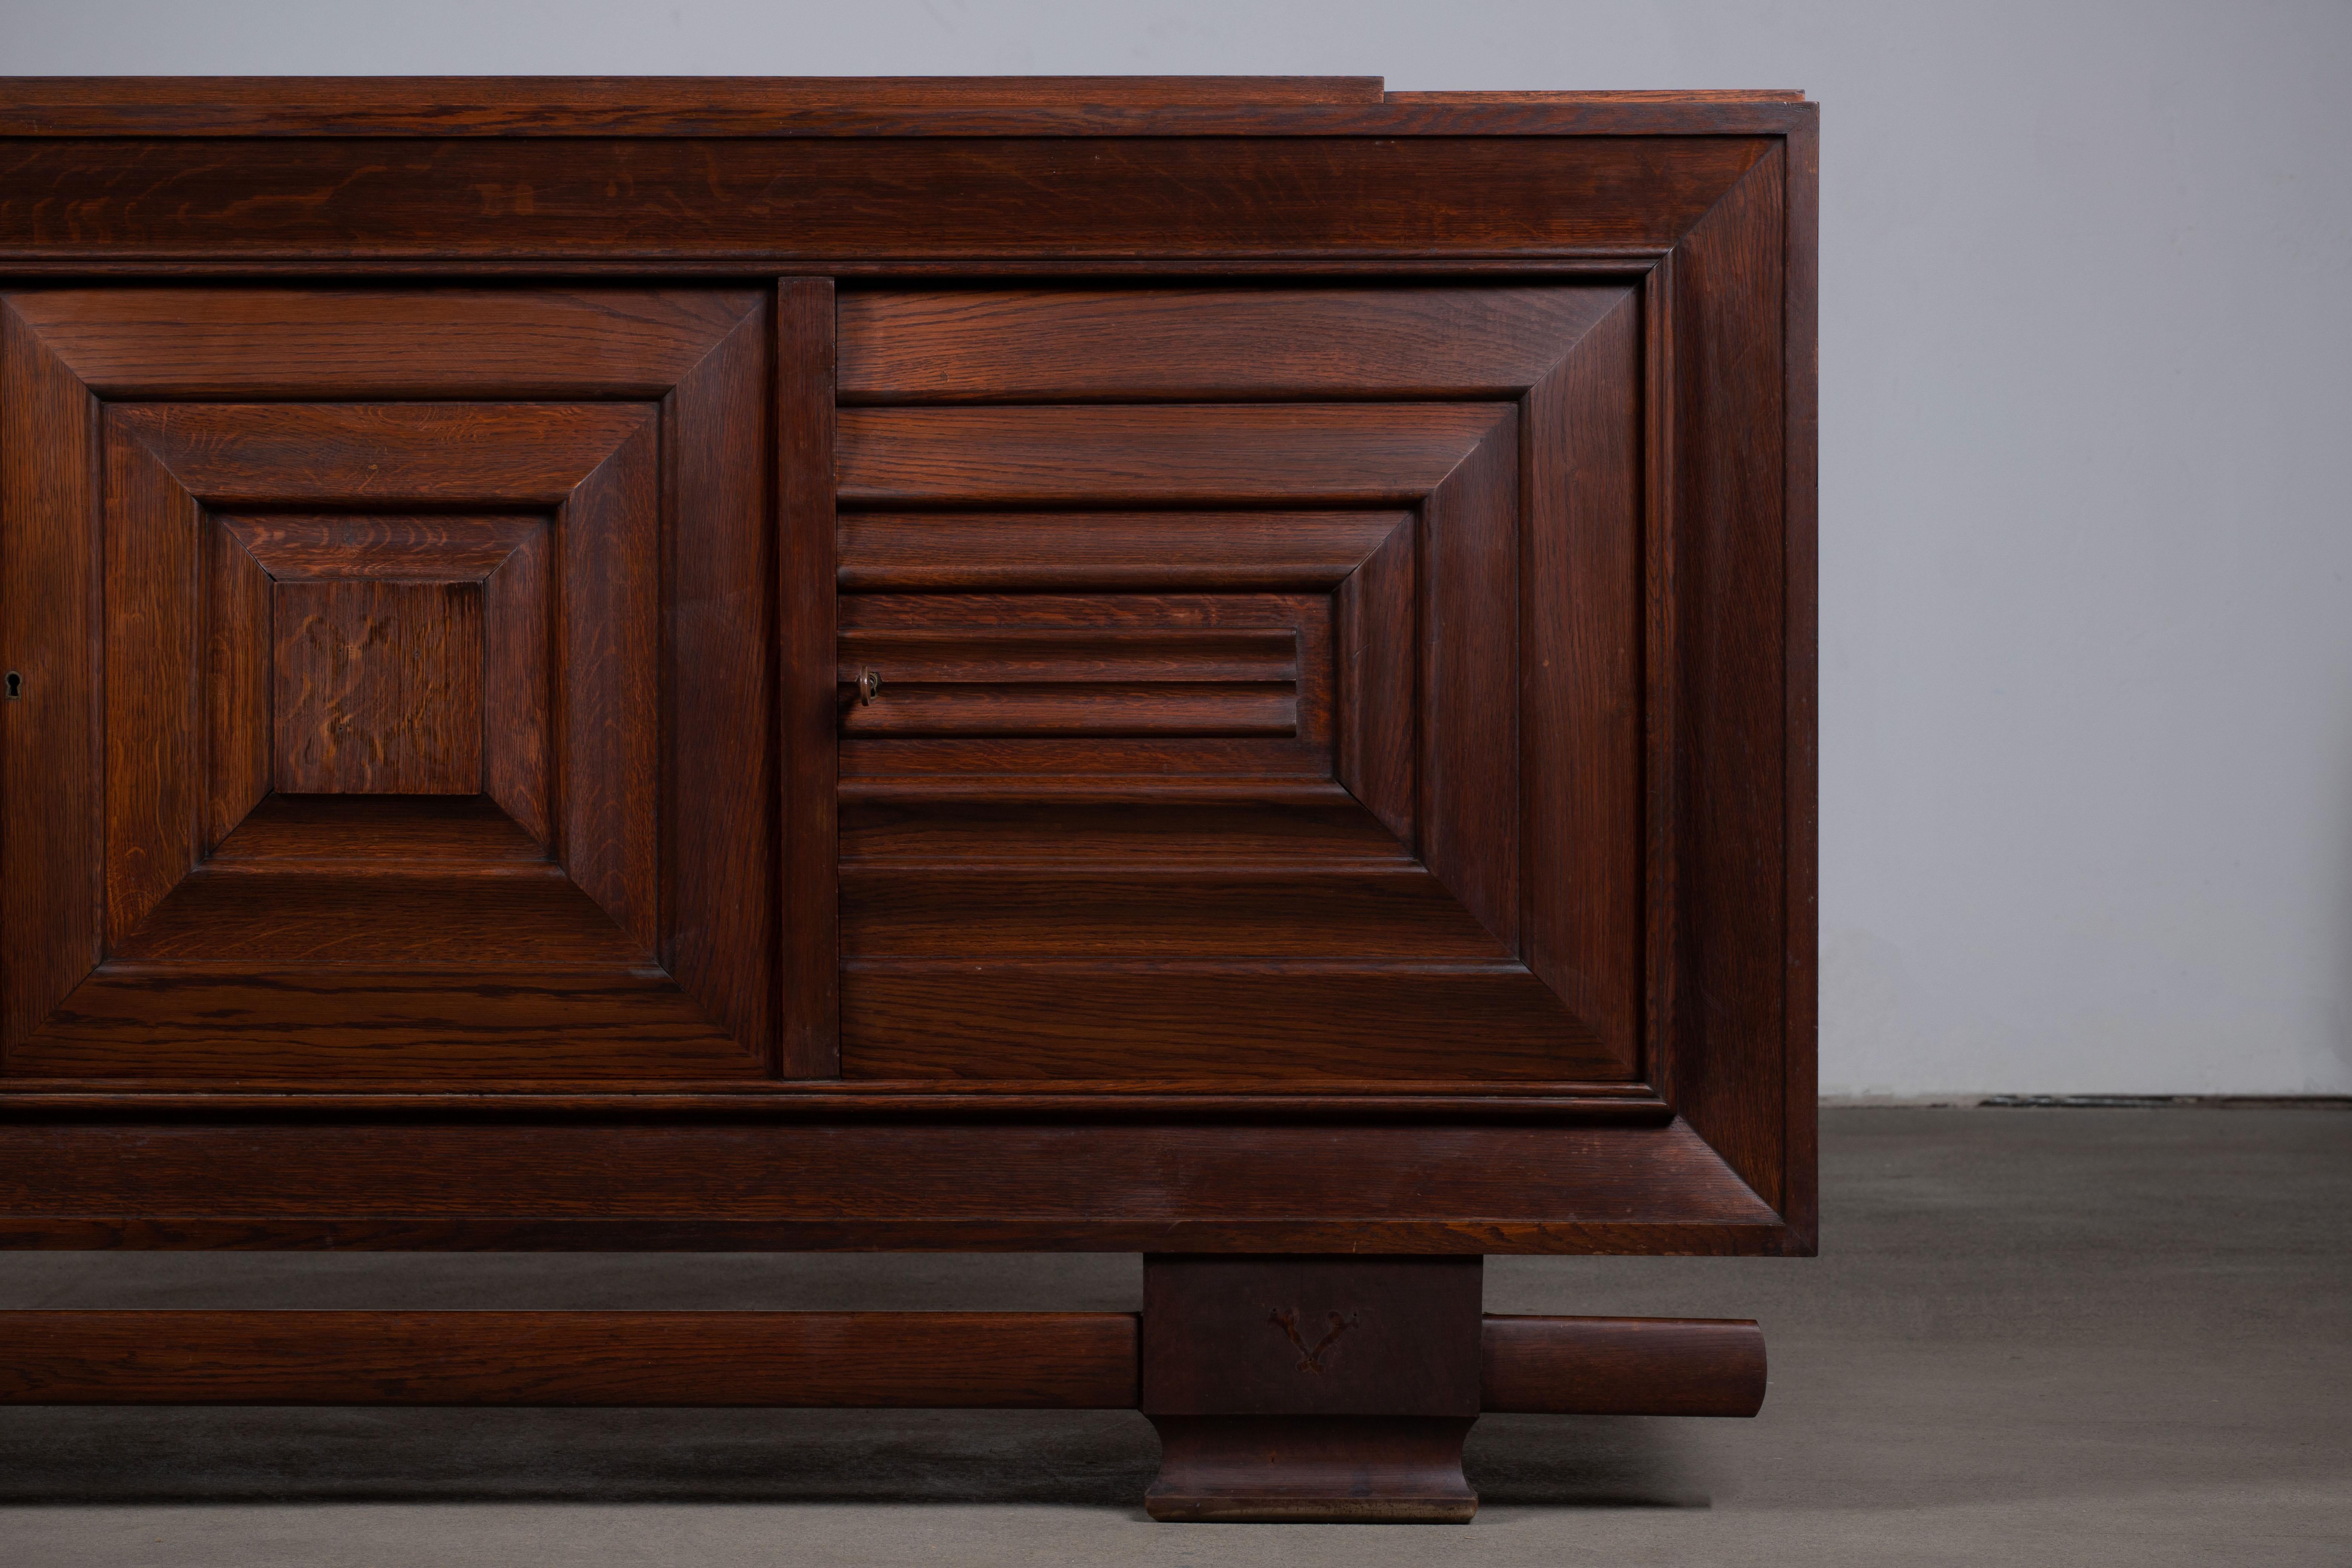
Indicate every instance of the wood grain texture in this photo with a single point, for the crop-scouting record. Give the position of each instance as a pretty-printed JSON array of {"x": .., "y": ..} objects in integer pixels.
[
  {"x": 449, "y": 671},
  {"x": 152, "y": 716},
  {"x": 1580, "y": 681},
  {"x": 387, "y": 455},
  {"x": 1376, "y": 618},
  {"x": 716, "y": 613},
  {"x": 347, "y": 829},
  {"x": 1198, "y": 454},
  {"x": 817, "y": 204},
  {"x": 378, "y": 344},
  {"x": 1109, "y": 832},
  {"x": 276, "y": 1019},
  {"x": 1623, "y": 1366},
  {"x": 1034, "y": 551},
  {"x": 237, "y": 680},
  {"x": 809, "y": 1041},
  {"x": 541, "y": 105},
  {"x": 379, "y": 688},
  {"x": 1132, "y": 768},
  {"x": 1111, "y": 667},
  {"x": 1124, "y": 1185},
  {"x": 1103, "y": 664},
  {"x": 1731, "y": 1052},
  {"x": 1017, "y": 1360},
  {"x": 1226, "y": 1019},
  {"x": 1092, "y": 708},
  {"x": 420, "y": 917},
  {"x": 1379, "y": 910},
  {"x": 1466, "y": 650},
  {"x": 1422, "y": 725},
  {"x": 1223, "y": 344},
  {"x": 375, "y": 547},
  {"x": 1602, "y": 1366},
  {"x": 608, "y": 652},
  {"x": 1043, "y": 649},
  {"x": 518, "y": 682},
  {"x": 53, "y": 897},
  {"x": 1707, "y": 198}
]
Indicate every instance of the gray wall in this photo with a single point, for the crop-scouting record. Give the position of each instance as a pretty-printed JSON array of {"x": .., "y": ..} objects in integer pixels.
[{"x": 2086, "y": 445}]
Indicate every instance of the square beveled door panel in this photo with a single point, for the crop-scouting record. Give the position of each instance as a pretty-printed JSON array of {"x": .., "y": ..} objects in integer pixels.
[
  {"x": 1261, "y": 683},
  {"x": 395, "y": 684}
]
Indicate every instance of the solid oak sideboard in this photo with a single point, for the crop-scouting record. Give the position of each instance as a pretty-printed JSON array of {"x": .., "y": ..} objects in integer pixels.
[{"x": 1214, "y": 666}]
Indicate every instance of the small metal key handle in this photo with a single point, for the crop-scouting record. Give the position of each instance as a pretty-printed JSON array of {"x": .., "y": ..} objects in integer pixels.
[{"x": 869, "y": 685}]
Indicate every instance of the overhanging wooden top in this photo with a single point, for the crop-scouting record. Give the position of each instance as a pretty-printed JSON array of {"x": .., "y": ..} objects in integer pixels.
[{"x": 440, "y": 107}]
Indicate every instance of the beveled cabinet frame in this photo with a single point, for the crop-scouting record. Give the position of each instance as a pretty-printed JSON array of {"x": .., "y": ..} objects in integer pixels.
[{"x": 1705, "y": 203}]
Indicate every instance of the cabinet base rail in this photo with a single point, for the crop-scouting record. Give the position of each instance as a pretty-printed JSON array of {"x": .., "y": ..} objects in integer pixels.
[{"x": 1347, "y": 1463}]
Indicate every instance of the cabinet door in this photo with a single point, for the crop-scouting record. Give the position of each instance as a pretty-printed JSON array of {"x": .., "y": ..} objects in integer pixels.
[
  {"x": 1260, "y": 683},
  {"x": 393, "y": 685}
]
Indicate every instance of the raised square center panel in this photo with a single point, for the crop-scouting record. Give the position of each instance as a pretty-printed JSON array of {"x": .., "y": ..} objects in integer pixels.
[
  {"x": 382, "y": 654},
  {"x": 378, "y": 688}
]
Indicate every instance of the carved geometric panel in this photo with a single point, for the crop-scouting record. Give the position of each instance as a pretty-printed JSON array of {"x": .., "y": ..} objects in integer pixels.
[
  {"x": 279, "y": 717},
  {"x": 1091, "y": 861},
  {"x": 383, "y": 697}
]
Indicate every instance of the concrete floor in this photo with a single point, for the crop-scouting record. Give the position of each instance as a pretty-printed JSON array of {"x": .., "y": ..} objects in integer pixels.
[{"x": 2067, "y": 1337}]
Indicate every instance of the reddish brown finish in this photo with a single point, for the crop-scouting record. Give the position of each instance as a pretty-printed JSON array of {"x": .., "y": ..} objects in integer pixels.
[
  {"x": 543, "y": 105},
  {"x": 1731, "y": 769},
  {"x": 1424, "y": 692},
  {"x": 1301, "y": 1336},
  {"x": 1177, "y": 345},
  {"x": 530, "y": 344},
  {"x": 825, "y": 204},
  {"x": 469, "y": 830},
  {"x": 356, "y": 646},
  {"x": 1310, "y": 1387},
  {"x": 1585, "y": 319},
  {"x": 503, "y": 558},
  {"x": 379, "y": 688},
  {"x": 749, "y": 1182},
  {"x": 1599, "y": 1367},
  {"x": 1623, "y": 1366},
  {"x": 1022, "y": 1361},
  {"x": 1311, "y": 1470},
  {"x": 808, "y": 715},
  {"x": 991, "y": 1020},
  {"x": 853, "y": 106},
  {"x": 1177, "y": 551}
]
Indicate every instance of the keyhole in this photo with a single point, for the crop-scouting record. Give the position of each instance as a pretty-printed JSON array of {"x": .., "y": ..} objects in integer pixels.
[{"x": 16, "y": 686}]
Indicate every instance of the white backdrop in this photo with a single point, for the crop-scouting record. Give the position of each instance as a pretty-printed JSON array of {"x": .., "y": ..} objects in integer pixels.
[{"x": 2086, "y": 449}]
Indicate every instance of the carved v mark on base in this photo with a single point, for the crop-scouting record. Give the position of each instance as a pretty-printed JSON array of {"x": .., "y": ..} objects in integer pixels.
[{"x": 1312, "y": 1359}]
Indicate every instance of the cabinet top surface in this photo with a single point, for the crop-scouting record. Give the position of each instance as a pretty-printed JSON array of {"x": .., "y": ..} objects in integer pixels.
[{"x": 821, "y": 106}]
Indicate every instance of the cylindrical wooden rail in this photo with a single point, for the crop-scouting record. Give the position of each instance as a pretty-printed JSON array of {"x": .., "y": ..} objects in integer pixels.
[
  {"x": 1015, "y": 1360},
  {"x": 1621, "y": 1366}
]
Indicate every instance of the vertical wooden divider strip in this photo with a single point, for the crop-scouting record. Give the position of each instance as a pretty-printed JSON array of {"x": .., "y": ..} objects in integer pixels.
[{"x": 811, "y": 1037}]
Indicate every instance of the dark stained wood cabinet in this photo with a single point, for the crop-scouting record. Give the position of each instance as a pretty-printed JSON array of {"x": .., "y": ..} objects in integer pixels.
[{"x": 1221, "y": 667}]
